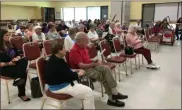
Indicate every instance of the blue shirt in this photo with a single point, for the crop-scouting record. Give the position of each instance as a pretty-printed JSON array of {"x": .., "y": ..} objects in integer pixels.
[{"x": 58, "y": 87}]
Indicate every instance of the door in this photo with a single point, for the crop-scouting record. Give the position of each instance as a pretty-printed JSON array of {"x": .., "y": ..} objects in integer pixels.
[
  {"x": 104, "y": 12},
  {"x": 48, "y": 14},
  {"x": 148, "y": 12}
]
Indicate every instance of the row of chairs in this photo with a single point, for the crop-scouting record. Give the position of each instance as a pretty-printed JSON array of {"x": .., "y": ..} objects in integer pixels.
[{"x": 32, "y": 52}]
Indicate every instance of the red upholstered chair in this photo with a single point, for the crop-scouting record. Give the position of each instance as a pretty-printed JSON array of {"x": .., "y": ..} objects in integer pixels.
[
  {"x": 151, "y": 39},
  {"x": 31, "y": 52},
  {"x": 93, "y": 53},
  {"x": 104, "y": 45},
  {"x": 17, "y": 42},
  {"x": 47, "y": 94},
  {"x": 47, "y": 47},
  {"x": 7, "y": 80},
  {"x": 120, "y": 52}
]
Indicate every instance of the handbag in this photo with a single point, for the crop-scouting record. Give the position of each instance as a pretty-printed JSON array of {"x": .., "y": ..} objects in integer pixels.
[
  {"x": 35, "y": 88},
  {"x": 128, "y": 49}
]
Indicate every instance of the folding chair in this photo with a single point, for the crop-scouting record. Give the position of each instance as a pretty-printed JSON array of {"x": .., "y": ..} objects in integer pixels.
[
  {"x": 47, "y": 47},
  {"x": 17, "y": 42},
  {"x": 7, "y": 80},
  {"x": 47, "y": 94},
  {"x": 31, "y": 52},
  {"x": 93, "y": 53},
  {"x": 104, "y": 45},
  {"x": 120, "y": 52}
]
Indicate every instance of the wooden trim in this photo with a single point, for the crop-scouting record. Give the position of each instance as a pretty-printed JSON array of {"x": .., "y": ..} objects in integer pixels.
[{"x": 135, "y": 20}]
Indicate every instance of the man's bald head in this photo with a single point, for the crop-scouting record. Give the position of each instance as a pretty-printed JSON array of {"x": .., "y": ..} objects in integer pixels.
[{"x": 82, "y": 39}]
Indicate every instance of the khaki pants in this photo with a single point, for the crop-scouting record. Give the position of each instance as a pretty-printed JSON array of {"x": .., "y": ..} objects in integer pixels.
[{"x": 103, "y": 74}]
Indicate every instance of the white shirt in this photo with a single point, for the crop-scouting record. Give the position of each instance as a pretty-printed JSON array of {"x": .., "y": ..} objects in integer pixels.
[
  {"x": 35, "y": 37},
  {"x": 110, "y": 30},
  {"x": 92, "y": 35},
  {"x": 19, "y": 32},
  {"x": 139, "y": 27},
  {"x": 68, "y": 43}
]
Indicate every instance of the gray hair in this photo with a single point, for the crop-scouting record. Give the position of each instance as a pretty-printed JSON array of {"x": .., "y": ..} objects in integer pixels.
[
  {"x": 92, "y": 25},
  {"x": 81, "y": 26},
  {"x": 80, "y": 35},
  {"x": 117, "y": 24},
  {"x": 132, "y": 28}
]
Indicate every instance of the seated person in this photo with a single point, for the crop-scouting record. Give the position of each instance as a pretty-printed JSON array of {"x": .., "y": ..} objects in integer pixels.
[
  {"x": 52, "y": 34},
  {"x": 29, "y": 31},
  {"x": 157, "y": 29},
  {"x": 118, "y": 28},
  {"x": 164, "y": 24},
  {"x": 60, "y": 77},
  {"x": 12, "y": 65},
  {"x": 133, "y": 40},
  {"x": 178, "y": 28},
  {"x": 44, "y": 28},
  {"x": 69, "y": 41},
  {"x": 112, "y": 28},
  {"x": 21, "y": 31},
  {"x": 82, "y": 28},
  {"x": 92, "y": 34},
  {"x": 79, "y": 59},
  {"x": 38, "y": 35},
  {"x": 124, "y": 26},
  {"x": 62, "y": 26}
]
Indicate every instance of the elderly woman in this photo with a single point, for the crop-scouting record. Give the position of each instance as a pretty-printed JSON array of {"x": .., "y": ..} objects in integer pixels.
[
  {"x": 92, "y": 34},
  {"x": 38, "y": 35},
  {"x": 112, "y": 28},
  {"x": 118, "y": 28},
  {"x": 133, "y": 40},
  {"x": 60, "y": 78},
  {"x": 12, "y": 65},
  {"x": 69, "y": 41},
  {"x": 52, "y": 34}
]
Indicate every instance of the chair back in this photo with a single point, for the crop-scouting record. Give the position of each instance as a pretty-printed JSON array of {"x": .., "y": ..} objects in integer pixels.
[
  {"x": 92, "y": 51},
  {"x": 104, "y": 45},
  {"x": 116, "y": 44},
  {"x": 41, "y": 63},
  {"x": 67, "y": 58},
  {"x": 47, "y": 47},
  {"x": 17, "y": 42},
  {"x": 31, "y": 50}
]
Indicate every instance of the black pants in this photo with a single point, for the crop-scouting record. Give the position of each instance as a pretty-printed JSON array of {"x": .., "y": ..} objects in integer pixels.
[
  {"x": 177, "y": 34},
  {"x": 17, "y": 71}
]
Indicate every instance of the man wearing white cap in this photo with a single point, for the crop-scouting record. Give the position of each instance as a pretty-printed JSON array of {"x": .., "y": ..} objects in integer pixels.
[{"x": 38, "y": 35}]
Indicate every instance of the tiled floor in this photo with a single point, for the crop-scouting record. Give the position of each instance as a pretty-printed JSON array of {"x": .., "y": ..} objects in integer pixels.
[{"x": 147, "y": 89}]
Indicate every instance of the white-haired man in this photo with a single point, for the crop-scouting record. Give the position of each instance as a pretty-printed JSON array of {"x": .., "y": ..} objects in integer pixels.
[
  {"x": 79, "y": 59},
  {"x": 38, "y": 35}
]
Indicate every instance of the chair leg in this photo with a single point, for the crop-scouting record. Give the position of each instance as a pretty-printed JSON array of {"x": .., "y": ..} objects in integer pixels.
[
  {"x": 119, "y": 74},
  {"x": 43, "y": 102},
  {"x": 7, "y": 88},
  {"x": 131, "y": 66},
  {"x": 82, "y": 106},
  {"x": 139, "y": 60},
  {"x": 126, "y": 68},
  {"x": 135, "y": 63},
  {"x": 142, "y": 60},
  {"x": 102, "y": 91}
]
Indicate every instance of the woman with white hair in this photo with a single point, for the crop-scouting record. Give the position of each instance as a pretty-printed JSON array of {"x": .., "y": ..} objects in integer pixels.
[
  {"x": 38, "y": 35},
  {"x": 133, "y": 40}
]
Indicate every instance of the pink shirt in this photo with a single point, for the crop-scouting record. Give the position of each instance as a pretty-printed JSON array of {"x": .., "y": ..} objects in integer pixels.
[{"x": 133, "y": 40}]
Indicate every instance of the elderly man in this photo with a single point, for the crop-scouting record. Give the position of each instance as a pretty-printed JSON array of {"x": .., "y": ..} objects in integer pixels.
[
  {"x": 38, "y": 35},
  {"x": 79, "y": 59},
  {"x": 82, "y": 28}
]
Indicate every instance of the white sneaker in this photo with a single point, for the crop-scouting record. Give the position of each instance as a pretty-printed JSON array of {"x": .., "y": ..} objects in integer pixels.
[{"x": 153, "y": 66}]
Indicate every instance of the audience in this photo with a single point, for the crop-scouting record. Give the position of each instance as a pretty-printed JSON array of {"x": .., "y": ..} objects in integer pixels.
[
  {"x": 52, "y": 34},
  {"x": 133, "y": 40},
  {"x": 69, "y": 41},
  {"x": 79, "y": 59},
  {"x": 92, "y": 34},
  {"x": 62, "y": 27},
  {"x": 13, "y": 66},
  {"x": 38, "y": 35},
  {"x": 21, "y": 31},
  {"x": 60, "y": 78}
]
